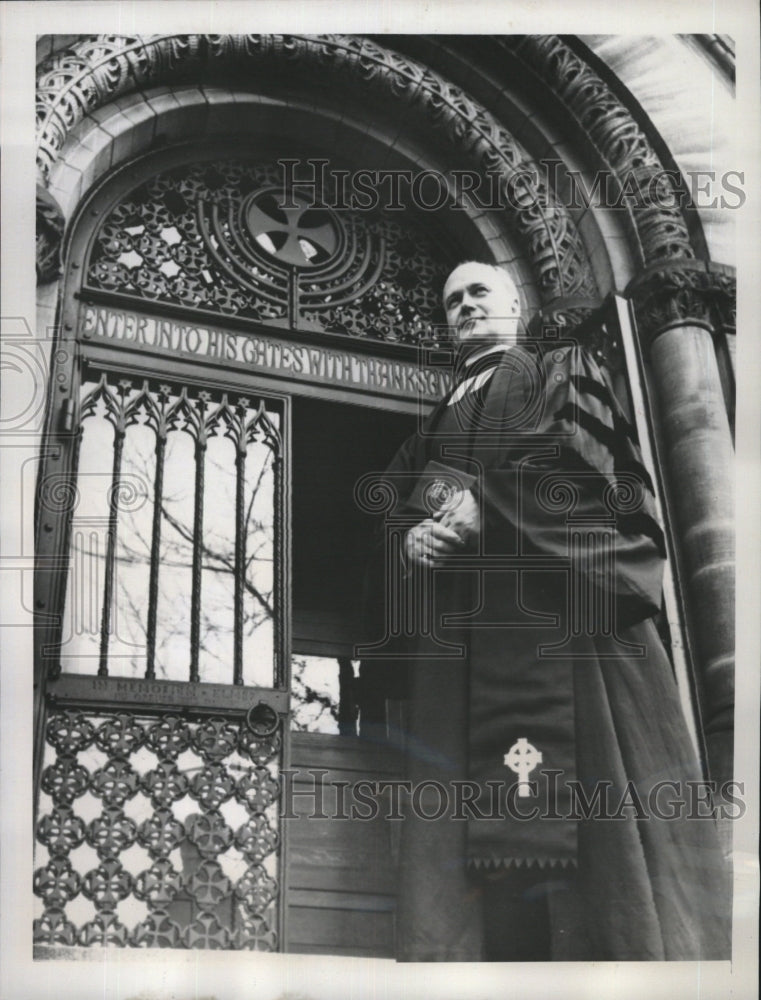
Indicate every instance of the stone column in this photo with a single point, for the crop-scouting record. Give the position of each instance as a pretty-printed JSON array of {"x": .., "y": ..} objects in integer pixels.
[{"x": 675, "y": 307}]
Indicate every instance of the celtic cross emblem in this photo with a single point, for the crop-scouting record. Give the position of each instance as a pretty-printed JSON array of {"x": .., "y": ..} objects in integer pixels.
[
  {"x": 300, "y": 233},
  {"x": 522, "y": 758}
]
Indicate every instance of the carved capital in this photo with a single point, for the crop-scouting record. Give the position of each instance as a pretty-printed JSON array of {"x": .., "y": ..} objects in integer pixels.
[
  {"x": 724, "y": 299},
  {"x": 684, "y": 293},
  {"x": 50, "y": 227}
]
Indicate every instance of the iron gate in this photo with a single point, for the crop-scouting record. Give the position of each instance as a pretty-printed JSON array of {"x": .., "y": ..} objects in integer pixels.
[{"x": 166, "y": 713}]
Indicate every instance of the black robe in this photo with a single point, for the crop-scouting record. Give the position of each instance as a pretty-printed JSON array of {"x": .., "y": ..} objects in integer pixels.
[{"x": 542, "y": 631}]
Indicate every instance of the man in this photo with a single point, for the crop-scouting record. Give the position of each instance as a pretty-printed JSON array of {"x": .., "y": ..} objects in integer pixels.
[{"x": 541, "y": 707}]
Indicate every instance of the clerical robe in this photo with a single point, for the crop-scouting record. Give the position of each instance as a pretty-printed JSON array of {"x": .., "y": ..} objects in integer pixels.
[{"x": 540, "y": 637}]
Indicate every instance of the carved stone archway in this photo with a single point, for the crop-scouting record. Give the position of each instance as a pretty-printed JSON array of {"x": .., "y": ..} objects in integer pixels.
[{"x": 97, "y": 70}]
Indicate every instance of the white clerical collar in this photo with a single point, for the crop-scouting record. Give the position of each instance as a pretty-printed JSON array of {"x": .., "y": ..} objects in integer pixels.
[
  {"x": 472, "y": 383},
  {"x": 489, "y": 349}
]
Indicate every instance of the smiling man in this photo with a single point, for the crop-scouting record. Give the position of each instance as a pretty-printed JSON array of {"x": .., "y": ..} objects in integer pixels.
[
  {"x": 483, "y": 313},
  {"x": 481, "y": 303},
  {"x": 541, "y": 708}
]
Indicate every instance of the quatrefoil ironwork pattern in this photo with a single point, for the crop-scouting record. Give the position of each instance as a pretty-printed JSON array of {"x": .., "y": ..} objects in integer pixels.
[{"x": 180, "y": 815}]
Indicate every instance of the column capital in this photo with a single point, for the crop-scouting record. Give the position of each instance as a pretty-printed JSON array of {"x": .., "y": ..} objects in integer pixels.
[
  {"x": 683, "y": 293},
  {"x": 50, "y": 228}
]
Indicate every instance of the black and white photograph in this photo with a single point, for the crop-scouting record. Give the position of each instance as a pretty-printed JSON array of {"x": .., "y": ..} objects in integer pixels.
[{"x": 381, "y": 476}]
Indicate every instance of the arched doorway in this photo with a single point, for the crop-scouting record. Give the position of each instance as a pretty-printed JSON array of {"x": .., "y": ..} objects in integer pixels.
[
  {"x": 264, "y": 345},
  {"x": 225, "y": 361}
]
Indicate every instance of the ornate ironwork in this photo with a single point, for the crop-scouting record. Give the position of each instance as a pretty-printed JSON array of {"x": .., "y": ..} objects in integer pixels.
[
  {"x": 166, "y": 411},
  {"x": 97, "y": 69},
  {"x": 223, "y": 238},
  {"x": 65, "y": 780},
  {"x": 209, "y": 880}
]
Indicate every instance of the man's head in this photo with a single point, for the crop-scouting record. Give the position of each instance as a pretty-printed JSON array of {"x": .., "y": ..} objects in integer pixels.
[{"x": 481, "y": 303}]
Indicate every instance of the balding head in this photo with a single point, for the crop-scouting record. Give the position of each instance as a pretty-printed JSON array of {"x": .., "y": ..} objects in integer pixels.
[{"x": 481, "y": 303}]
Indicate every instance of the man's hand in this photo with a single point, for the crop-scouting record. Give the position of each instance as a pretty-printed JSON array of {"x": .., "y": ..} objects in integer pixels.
[
  {"x": 463, "y": 516},
  {"x": 429, "y": 541}
]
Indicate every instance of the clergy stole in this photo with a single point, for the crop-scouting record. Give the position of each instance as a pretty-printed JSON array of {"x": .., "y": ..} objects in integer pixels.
[{"x": 530, "y": 638}]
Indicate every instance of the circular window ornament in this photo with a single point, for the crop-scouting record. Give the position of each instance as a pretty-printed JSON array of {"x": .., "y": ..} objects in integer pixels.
[{"x": 292, "y": 229}]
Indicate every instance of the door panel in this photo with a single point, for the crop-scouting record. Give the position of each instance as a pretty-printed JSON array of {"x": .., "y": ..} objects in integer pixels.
[
  {"x": 157, "y": 829},
  {"x": 341, "y": 871},
  {"x": 166, "y": 725}
]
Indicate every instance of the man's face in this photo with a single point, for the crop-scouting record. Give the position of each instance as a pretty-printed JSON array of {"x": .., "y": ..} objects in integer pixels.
[{"x": 481, "y": 304}]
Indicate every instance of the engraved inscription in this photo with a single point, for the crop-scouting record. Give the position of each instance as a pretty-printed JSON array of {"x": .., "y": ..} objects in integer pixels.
[
  {"x": 267, "y": 354},
  {"x": 80, "y": 688}
]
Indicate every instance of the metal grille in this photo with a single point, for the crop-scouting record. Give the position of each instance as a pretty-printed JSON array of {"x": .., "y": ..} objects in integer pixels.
[
  {"x": 164, "y": 581},
  {"x": 158, "y": 831},
  {"x": 222, "y": 239}
]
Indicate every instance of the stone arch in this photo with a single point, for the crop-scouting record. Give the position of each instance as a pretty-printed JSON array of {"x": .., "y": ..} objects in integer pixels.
[
  {"x": 97, "y": 70},
  {"x": 658, "y": 228},
  {"x": 553, "y": 92},
  {"x": 92, "y": 71},
  {"x": 140, "y": 123}
]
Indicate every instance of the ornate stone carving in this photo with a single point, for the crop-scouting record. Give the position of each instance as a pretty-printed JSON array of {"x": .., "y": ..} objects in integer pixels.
[
  {"x": 681, "y": 293},
  {"x": 724, "y": 298},
  {"x": 50, "y": 226},
  {"x": 97, "y": 69},
  {"x": 660, "y": 230},
  {"x": 565, "y": 315}
]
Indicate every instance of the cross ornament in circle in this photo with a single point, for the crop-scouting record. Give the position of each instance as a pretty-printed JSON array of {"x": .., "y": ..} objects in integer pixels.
[
  {"x": 522, "y": 758},
  {"x": 300, "y": 234}
]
